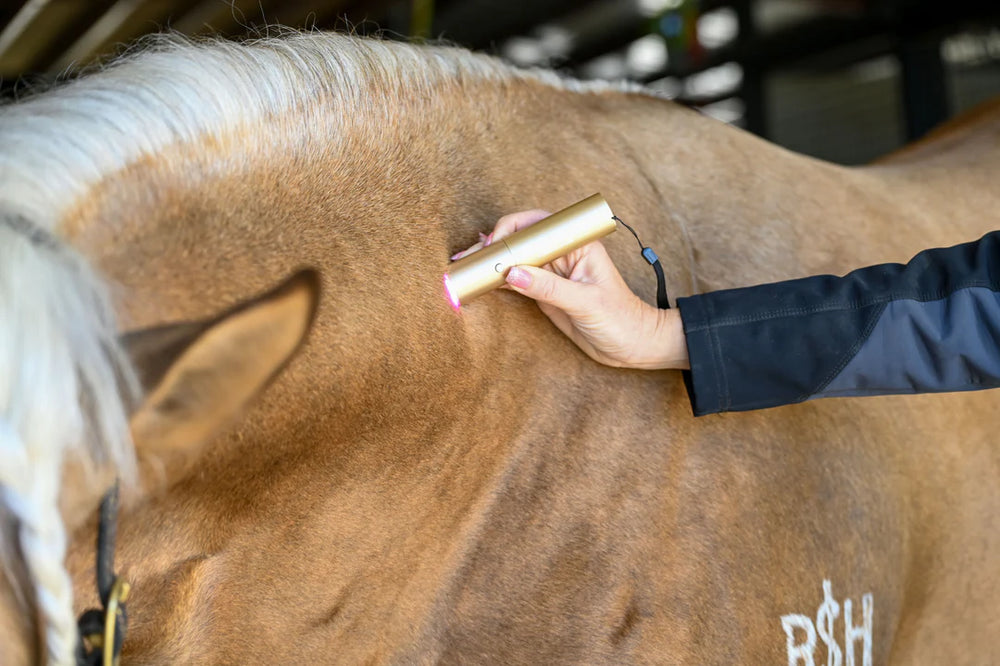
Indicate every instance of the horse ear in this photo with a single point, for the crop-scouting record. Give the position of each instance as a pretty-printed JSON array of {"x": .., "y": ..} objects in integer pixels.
[{"x": 198, "y": 376}]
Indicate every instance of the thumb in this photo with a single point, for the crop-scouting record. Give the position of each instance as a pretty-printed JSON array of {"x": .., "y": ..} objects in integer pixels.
[{"x": 547, "y": 287}]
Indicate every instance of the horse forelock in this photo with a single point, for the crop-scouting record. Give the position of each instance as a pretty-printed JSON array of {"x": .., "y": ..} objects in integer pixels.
[{"x": 64, "y": 394}]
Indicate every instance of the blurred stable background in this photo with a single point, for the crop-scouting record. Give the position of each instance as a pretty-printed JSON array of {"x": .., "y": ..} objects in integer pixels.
[{"x": 844, "y": 80}]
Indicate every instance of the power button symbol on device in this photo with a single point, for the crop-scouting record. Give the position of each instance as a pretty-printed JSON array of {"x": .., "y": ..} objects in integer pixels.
[{"x": 499, "y": 267}]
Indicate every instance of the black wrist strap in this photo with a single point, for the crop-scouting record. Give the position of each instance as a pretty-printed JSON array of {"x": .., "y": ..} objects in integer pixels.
[{"x": 662, "y": 300}]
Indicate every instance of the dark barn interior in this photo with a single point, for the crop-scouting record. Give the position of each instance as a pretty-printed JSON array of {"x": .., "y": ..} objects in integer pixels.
[{"x": 845, "y": 80}]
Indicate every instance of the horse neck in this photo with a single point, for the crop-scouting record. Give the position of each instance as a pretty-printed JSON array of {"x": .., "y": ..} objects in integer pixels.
[{"x": 383, "y": 203}]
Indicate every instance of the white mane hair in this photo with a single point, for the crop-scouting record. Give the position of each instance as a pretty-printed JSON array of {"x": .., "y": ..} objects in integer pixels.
[
  {"x": 176, "y": 90},
  {"x": 64, "y": 381},
  {"x": 64, "y": 387}
]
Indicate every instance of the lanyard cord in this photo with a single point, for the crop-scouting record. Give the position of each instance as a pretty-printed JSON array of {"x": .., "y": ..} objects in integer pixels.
[{"x": 662, "y": 301}]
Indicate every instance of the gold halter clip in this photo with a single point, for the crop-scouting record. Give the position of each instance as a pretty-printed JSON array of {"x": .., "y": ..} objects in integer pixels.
[{"x": 113, "y": 614}]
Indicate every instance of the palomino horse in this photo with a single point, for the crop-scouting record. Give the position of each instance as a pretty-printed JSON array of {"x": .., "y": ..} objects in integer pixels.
[{"x": 419, "y": 485}]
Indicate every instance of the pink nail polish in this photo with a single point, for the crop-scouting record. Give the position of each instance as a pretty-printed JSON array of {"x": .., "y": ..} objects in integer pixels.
[
  {"x": 456, "y": 256},
  {"x": 488, "y": 240},
  {"x": 518, "y": 277}
]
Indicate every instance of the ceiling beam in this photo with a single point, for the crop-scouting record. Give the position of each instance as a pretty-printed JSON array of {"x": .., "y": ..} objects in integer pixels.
[
  {"x": 20, "y": 22},
  {"x": 95, "y": 37},
  {"x": 48, "y": 33}
]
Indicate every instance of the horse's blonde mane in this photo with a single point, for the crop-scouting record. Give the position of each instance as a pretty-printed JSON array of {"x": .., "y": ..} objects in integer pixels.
[
  {"x": 63, "y": 378},
  {"x": 64, "y": 389},
  {"x": 174, "y": 90}
]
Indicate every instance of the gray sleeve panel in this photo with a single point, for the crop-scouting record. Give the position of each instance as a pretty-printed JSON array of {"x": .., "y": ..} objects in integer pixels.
[{"x": 951, "y": 344}]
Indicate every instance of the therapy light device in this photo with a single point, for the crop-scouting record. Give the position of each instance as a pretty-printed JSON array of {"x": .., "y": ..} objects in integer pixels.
[{"x": 557, "y": 235}]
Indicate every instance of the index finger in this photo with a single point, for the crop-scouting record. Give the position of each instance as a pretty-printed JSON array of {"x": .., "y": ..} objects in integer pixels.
[{"x": 508, "y": 224}]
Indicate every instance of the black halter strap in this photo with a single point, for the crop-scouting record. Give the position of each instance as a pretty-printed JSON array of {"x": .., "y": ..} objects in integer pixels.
[{"x": 102, "y": 631}]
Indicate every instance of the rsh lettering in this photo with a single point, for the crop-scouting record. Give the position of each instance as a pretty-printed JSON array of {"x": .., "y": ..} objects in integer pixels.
[{"x": 801, "y": 644}]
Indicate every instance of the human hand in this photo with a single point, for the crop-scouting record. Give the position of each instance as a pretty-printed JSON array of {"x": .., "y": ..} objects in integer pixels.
[{"x": 586, "y": 298}]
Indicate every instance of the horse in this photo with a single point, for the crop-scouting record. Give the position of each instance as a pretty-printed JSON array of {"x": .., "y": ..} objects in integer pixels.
[{"x": 341, "y": 469}]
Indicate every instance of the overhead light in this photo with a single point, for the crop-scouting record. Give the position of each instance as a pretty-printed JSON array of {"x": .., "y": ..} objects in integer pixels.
[
  {"x": 646, "y": 55},
  {"x": 729, "y": 110},
  {"x": 555, "y": 41},
  {"x": 718, "y": 28},
  {"x": 523, "y": 51},
  {"x": 611, "y": 67},
  {"x": 670, "y": 86},
  {"x": 968, "y": 48},
  {"x": 715, "y": 81},
  {"x": 657, "y": 7}
]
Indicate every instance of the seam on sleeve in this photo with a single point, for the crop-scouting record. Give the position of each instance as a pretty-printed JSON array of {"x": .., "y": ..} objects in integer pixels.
[
  {"x": 865, "y": 334},
  {"x": 721, "y": 386},
  {"x": 721, "y": 378}
]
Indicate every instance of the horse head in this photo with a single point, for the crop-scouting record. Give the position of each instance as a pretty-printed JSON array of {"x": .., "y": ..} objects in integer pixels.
[{"x": 195, "y": 377}]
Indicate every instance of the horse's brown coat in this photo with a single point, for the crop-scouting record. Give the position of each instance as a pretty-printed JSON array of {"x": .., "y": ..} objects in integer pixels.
[{"x": 420, "y": 485}]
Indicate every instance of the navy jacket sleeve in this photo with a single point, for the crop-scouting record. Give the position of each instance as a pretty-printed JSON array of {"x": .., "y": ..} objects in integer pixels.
[{"x": 930, "y": 325}]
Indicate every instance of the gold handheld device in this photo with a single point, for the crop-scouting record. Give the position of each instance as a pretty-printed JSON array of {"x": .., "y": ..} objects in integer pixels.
[{"x": 557, "y": 235}]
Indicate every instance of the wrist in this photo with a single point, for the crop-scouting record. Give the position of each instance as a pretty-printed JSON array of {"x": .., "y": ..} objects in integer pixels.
[{"x": 665, "y": 345}]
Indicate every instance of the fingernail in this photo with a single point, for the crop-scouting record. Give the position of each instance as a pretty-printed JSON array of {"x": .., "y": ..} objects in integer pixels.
[
  {"x": 457, "y": 255},
  {"x": 488, "y": 240},
  {"x": 482, "y": 236},
  {"x": 518, "y": 277}
]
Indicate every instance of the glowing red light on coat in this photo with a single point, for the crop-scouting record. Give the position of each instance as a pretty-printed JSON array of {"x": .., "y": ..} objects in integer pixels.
[{"x": 452, "y": 296}]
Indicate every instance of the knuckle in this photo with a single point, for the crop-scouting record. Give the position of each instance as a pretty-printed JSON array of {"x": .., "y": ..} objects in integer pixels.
[
  {"x": 506, "y": 224},
  {"x": 548, "y": 289}
]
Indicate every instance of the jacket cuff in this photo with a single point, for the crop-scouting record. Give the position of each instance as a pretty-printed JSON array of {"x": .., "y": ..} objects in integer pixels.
[{"x": 705, "y": 381}]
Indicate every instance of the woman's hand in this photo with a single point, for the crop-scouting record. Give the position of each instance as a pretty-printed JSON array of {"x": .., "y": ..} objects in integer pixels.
[{"x": 586, "y": 298}]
